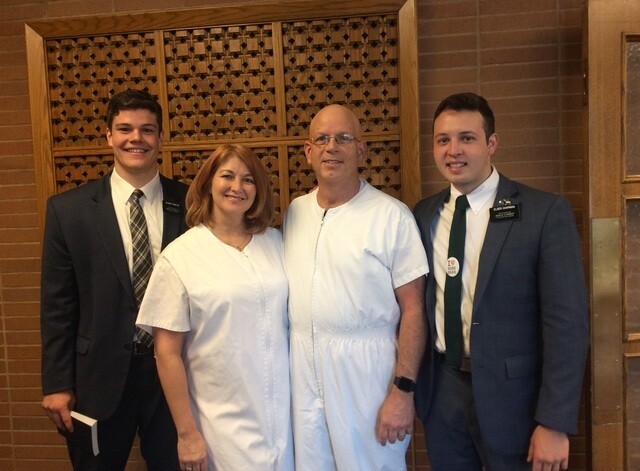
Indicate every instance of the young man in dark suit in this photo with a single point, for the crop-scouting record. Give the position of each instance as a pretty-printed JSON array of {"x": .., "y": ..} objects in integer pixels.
[
  {"x": 500, "y": 383},
  {"x": 92, "y": 359}
]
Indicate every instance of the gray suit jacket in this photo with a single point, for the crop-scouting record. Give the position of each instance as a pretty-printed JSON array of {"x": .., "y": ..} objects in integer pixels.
[
  {"x": 530, "y": 326},
  {"x": 88, "y": 307}
]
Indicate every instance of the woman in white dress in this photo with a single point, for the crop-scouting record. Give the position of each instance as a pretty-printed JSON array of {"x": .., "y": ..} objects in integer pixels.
[{"x": 217, "y": 306}]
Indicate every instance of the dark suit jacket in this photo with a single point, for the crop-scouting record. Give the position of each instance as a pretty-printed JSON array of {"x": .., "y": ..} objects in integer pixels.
[
  {"x": 88, "y": 307},
  {"x": 530, "y": 332}
]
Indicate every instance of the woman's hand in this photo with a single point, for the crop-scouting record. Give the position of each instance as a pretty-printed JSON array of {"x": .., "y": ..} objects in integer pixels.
[{"x": 192, "y": 452}]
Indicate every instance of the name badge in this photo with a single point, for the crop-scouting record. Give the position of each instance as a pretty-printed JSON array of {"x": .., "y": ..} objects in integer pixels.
[
  {"x": 505, "y": 211},
  {"x": 170, "y": 207}
]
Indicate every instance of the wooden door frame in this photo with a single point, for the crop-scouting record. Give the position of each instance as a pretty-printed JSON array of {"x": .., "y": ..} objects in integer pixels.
[{"x": 605, "y": 21}]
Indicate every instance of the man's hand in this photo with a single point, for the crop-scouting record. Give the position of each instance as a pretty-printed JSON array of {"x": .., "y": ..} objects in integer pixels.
[
  {"x": 548, "y": 450},
  {"x": 395, "y": 417},
  {"x": 58, "y": 407}
]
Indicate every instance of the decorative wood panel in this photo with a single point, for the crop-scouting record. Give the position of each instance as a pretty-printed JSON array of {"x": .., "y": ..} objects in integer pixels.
[
  {"x": 301, "y": 176},
  {"x": 85, "y": 72},
  {"x": 71, "y": 172},
  {"x": 221, "y": 83},
  {"x": 257, "y": 83},
  {"x": 632, "y": 412},
  {"x": 353, "y": 61},
  {"x": 632, "y": 107},
  {"x": 631, "y": 268}
]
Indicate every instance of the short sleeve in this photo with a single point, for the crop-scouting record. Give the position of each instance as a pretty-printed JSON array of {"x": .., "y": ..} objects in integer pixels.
[
  {"x": 166, "y": 301},
  {"x": 410, "y": 259}
]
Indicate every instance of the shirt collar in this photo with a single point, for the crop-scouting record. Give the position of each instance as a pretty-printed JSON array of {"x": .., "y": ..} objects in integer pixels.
[
  {"x": 483, "y": 194},
  {"x": 122, "y": 189}
]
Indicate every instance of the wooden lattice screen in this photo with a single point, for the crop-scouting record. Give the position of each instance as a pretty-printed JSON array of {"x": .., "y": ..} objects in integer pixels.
[
  {"x": 220, "y": 85},
  {"x": 256, "y": 81},
  {"x": 254, "y": 75}
]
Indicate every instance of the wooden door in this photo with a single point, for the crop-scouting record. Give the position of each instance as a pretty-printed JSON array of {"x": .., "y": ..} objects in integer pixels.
[{"x": 612, "y": 132}]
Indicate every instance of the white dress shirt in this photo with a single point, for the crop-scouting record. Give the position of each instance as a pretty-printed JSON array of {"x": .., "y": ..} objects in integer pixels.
[
  {"x": 151, "y": 203},
  {"x": 480, "y": 201}
]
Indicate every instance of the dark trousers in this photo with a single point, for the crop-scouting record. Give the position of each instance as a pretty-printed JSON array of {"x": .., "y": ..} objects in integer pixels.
[
  {"x": 142, "y": 410},
  {"x": 454, "y": 440}
]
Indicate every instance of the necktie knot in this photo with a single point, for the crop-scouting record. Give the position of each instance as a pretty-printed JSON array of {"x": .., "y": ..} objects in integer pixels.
[
  {"x": 462, "y": 203},
  {"x": 138, "y": 193}
]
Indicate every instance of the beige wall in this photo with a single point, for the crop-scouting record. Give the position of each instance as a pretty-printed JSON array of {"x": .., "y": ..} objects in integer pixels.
[{"x": 523, "y": 55}]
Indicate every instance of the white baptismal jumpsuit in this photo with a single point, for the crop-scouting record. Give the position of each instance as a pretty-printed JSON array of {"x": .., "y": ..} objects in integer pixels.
[{"x": 343, "y": 265}]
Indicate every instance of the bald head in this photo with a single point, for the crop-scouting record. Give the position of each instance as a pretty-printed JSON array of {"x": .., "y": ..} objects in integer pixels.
[
  {"x": 336, "y": 156},
  {"x": 334, "y": 114}
]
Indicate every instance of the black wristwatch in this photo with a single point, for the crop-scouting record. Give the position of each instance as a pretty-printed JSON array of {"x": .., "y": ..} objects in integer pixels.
[{"x": 404, "y": 384}]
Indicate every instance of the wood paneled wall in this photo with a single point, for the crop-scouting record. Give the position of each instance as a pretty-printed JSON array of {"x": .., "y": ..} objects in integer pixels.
[{"x": 523, "y": 55}]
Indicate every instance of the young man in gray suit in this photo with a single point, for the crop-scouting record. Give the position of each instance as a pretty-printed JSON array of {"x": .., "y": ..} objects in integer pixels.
[
  {"x": 501, "y": 379},
  {"x": 92, "y": 359}
]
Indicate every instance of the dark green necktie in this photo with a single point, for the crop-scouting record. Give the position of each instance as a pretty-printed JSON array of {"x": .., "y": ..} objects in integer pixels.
[{"x": 453, "y": 284}]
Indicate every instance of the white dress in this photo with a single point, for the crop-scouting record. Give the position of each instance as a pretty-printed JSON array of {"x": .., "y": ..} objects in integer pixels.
[
  {"x": 343, "y": 266},
  {"x": 233, "y": 306}
]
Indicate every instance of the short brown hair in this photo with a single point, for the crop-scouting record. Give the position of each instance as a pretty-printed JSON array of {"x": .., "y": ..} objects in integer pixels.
[
  {"x": 200, "y": 202},
  {"x": 133, "y": 100},
  {"x": 469, "y": 101}
]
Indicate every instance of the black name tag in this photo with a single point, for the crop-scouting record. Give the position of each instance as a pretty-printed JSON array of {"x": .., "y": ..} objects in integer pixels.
[
  {"x": 170, "y": 207},
  {"x": 508, "y": 212}
]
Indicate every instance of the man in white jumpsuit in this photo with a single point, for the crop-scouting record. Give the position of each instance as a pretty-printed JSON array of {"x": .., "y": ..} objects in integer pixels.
[{"x": 356, "y": 269}]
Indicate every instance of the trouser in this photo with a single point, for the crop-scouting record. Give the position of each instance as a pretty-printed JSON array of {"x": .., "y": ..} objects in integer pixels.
[
  {"x": 453, "y": 436},
  {"x": 142, "y": 410}
]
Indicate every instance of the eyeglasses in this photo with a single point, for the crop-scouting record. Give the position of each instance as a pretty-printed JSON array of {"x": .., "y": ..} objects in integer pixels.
[{"x": 341, "y": 139}]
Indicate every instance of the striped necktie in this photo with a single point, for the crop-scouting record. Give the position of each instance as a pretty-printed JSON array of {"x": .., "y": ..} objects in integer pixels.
[{"x": 142, "y": 265}]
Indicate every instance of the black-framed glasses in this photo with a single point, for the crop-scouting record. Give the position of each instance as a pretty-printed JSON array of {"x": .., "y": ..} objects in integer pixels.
[{"x": 342, "y": 138}]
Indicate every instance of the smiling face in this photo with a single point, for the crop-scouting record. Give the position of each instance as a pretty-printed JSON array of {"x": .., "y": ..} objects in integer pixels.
[
  {"x": 233, "y": 190},
  {"x": 136, "y": 141},
  {"x": 461, "y": 149},
  {"x": 335, "y": 163}
]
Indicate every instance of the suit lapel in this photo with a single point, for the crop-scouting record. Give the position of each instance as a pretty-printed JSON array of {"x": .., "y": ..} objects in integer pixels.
[
  {"x": 107, "y": 224},
  {"x": 493, "y": 242},
  {"x": 430, "y": 212},
  {"x": 172, "y": 211}
]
